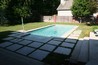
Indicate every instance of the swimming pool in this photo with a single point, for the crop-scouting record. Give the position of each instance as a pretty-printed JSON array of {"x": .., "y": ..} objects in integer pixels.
[{"x": 53, "y": 30}]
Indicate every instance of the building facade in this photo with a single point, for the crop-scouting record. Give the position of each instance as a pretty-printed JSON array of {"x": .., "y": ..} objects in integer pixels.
[{"x": 64, "y": 9}]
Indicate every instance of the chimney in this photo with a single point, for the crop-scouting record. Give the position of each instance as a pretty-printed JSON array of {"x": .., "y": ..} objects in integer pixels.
[{"x": 63, "y": 2}]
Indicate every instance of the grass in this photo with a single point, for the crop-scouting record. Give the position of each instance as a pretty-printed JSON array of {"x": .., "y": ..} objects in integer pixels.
[{"x": 5, "y": 30}]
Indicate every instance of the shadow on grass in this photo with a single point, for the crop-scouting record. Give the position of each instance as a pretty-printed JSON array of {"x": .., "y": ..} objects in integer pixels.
[{"x": 4, "y": 34}]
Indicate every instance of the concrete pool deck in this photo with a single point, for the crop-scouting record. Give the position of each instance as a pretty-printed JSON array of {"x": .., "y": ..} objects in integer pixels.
[
  {"x": 86, "y": 51},
  {"x": 24, "y": 49}
]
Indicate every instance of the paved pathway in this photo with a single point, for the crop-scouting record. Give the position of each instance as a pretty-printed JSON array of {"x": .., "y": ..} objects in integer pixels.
[
  {"x": 93, "y": 49},
  {"x": 38, "y": 47}
]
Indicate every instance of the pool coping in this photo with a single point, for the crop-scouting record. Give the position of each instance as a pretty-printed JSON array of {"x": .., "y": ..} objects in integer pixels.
[
  {"x": 68, "y": 33},
  {"x": 39, "y": 28},
  {"x": 63, "y": 36}
]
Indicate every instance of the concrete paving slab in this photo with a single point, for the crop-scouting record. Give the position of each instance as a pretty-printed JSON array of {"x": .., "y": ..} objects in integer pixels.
[
  {"x": 21, "y": 35},
  {"x": 58, "y": 39},
  {"x": 5, "y": 44},
  {"x": 25, "y": 42},
  {"x": 76, "y": 52},
  {"x": 66, "y": 44},
  {"x": 18, "y": 33},
  {"x": 35, "y": 44},
  {"x": 74, "y": 35},
  {"x": 93, "y": 55},
  {"x": 38, "y": 38},
  {"x": 25, "y": 50},
  {"x": 61, "y": 50},
  {"x": 84, "y": 52},
  {"x": 71, "y": 40},
  {"x": 14, "y": 47},
  {"x": 48, "y": 47},
  {"x": 53, "y": 42},
  {"x": 18, "y": 36},
  {"x": 45, "y": 39},
  {"x": 10, "y": 58},
  {"x": 16, "y": 40},
  {"x": 39, "y": 54},
  {"x": 12, "y": 35},
  {"x": 8, "y": 38}
]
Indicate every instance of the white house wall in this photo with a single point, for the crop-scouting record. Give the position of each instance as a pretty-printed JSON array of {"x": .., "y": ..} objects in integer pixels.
[
  {"x": 64, "y": 13},
  {"x": 95, "y": 14}
]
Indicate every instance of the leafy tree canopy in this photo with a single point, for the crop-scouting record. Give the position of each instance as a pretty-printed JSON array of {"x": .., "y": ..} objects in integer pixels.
[
  {"x": 3, "y": 4},
  {"x": 83, "y": 8},
  {"x": 22, "y": 11}
]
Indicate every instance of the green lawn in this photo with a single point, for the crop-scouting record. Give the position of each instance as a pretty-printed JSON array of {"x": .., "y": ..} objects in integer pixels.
[{"x": 5, "y": 30}]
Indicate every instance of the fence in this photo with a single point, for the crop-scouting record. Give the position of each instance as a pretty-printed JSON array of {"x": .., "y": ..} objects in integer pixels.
[{"x": 58, "y": 19}]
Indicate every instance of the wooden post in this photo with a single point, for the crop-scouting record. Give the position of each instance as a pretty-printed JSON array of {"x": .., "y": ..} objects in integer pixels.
[{"x": 54, "y": 18}]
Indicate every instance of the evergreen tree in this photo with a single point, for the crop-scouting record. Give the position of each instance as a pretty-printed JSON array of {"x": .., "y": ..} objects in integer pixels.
[{"x": 83, "y": 8}]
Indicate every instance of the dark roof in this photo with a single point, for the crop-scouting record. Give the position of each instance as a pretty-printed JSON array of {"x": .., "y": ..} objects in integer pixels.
[{"x": 66, "y": 6}]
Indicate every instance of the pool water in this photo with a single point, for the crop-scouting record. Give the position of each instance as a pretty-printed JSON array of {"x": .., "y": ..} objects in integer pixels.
[{"x": 53, "y": 31}]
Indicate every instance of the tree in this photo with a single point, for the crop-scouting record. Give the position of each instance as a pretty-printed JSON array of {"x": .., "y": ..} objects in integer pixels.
[
  {"x": 83, "y": 8},
  {"x": 50, "y": 6},
  {"x": 12, "y": 10},
  {"x": 95, "y": 2},
  {"x": 22, "y": 8},
  {"x": 3, "y": 6}
]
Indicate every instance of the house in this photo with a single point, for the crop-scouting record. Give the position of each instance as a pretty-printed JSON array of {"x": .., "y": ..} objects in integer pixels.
[{"x": 64, "y": 9}]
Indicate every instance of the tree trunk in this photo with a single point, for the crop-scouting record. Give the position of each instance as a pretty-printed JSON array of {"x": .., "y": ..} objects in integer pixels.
[
  {"x": 22, "y": 23},
  {"x": 80, "y": 19}
]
